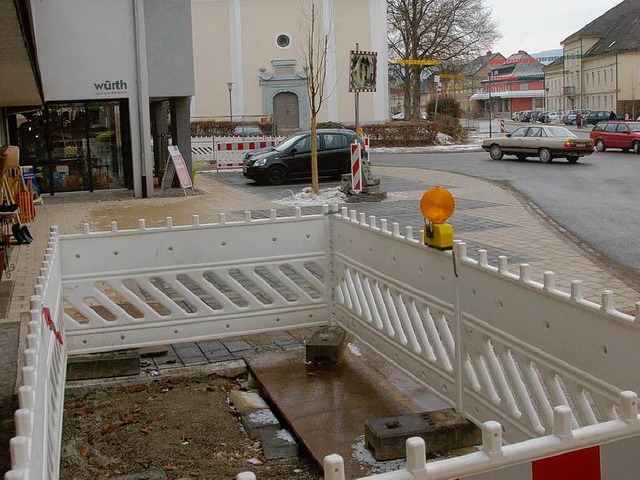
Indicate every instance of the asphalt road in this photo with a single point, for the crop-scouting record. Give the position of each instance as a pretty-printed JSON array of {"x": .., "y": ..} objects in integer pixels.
[{"x": 596, "y": 199}]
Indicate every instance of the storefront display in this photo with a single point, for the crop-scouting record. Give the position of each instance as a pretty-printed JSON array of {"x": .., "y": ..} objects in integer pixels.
[{"x": 79, "y": 146}]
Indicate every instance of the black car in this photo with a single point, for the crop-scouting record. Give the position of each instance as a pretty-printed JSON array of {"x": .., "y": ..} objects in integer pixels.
[
  {"x": 292, "y": 158},
  {"x": 595, "y": 117}
]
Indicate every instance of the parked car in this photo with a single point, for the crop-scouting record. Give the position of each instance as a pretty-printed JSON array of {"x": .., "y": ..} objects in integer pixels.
[
  {"x": 570, "y": 116},
  {"x": 616, "y": 134},
  {"x": 544, "y": 142},
  {"x": 247, "y": 131},
  {"x": 598, "y": 116},
  {"x": 292, "y": 158},
  {"x": 525, "y": 115},
  {"x": 552, "y": 117}
]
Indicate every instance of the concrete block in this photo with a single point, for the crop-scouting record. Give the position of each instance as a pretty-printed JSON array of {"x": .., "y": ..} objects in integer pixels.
[
  {"x": 103, "y": 365},
  {"x": 254, "y": 412},
  {"x": 258, "y": 422},
  {"x": 326, "y": 345},
  {"x": 279, "y": 444},
  {"x": 442, "y": 431}
]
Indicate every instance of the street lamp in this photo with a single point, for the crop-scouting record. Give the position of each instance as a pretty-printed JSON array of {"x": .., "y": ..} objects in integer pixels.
[
  {"x": 230, "y": 87},
  {"x": 490, "y": 105}
]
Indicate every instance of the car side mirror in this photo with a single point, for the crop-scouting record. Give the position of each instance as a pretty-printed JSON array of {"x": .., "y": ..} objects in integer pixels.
[{"x": 508, "y": 134}]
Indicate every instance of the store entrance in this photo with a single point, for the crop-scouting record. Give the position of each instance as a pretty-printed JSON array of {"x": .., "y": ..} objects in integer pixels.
[{"x": 80, "y": 146}]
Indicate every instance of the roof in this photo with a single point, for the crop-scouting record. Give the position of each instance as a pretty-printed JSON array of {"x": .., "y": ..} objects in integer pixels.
[
  {"x": 557, "y": 63},
  {"x": 623, "y": 13},
  {"x": 518, "y": 66}
]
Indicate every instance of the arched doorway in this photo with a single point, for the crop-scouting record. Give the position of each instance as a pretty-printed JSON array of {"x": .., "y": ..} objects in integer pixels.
[{"x": 286, "y": 112}]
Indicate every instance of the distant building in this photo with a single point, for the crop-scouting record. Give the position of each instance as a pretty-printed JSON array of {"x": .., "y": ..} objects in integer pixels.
[
  {"x": 554, "y": 85},
  {"x": 602, "y": 62},
  {"x": 515, "y": 84}
]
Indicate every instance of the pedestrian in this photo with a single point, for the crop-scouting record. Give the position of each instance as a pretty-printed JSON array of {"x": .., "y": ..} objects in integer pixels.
[
  {"x": 579, "y": 120},
  {"x": 584, "y": 121},
  {"x": 626, "y": 117},
  {"x": 612, "y": 115}
]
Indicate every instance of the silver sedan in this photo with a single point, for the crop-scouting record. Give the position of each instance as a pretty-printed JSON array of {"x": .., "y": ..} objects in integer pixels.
[{"x": 543, "y": 142}]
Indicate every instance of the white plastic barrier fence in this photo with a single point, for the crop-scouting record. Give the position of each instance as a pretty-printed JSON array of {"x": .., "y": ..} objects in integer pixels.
[
  {"x": 35, "y": 450},
  {"x": 492, "y": 343},
  {"x": 140, "y": 287}
]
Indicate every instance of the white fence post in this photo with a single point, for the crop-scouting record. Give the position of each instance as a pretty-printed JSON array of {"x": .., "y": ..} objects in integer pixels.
[{"x": 333, "y": 467}]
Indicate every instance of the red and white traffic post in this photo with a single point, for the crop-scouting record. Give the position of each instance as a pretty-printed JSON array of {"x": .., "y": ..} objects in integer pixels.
[{"x": 356, "y": 167}]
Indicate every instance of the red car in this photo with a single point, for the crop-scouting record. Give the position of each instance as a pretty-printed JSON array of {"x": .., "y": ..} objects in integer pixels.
[{"x": 616, "y": 134}]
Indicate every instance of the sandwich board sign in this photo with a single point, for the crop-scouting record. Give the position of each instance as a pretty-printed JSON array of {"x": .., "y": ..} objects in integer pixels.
[{"x": 177, "y": 166}]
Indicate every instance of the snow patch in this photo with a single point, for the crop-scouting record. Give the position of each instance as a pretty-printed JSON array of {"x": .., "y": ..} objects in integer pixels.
[
  {"x": 263, "y": 417},
  {"x": 285, "y": 436},
  {"x": 444, "y": 139},
  {"x": 354, "y": 349},
  {"x": 362, "y": 455},
  {"x": 307, "y": 198}
]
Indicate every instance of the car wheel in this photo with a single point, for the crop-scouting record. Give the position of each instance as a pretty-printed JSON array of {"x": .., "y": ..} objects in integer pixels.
[
  {"x": 521, "y": 157},
  {"x": 636, "y": 147},
  {"x": 496, "y": 152},
  {"x": 572, "y": 158},
  {"x": 276, "y": 175},
  {"x": 600, "y": 145},
  {"x": 545, "y": 155}
]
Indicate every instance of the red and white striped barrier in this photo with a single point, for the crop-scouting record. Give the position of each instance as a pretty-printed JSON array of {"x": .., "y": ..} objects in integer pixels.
[
  {"x": 228, "y": 152},
  {"x": 356, "y": 168}
]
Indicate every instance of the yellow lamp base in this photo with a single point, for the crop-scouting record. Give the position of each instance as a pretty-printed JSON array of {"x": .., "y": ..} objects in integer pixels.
[{"x": 439, "y": 236}]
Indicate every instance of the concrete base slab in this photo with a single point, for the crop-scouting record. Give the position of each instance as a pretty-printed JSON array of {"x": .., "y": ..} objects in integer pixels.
[
  {"x": 279, "y": 444},
  {"x": 325, "y": 345},
  {"x": 442, "y": 431},
  {"x": 326, "y": 408},
  {"x": 103, "y": 365}
]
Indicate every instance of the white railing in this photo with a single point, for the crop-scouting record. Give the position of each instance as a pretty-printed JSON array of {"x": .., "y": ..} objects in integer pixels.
[
  {"x": 493, "y": 344},
  {"x": 35, "y": 450},
  {"x": 140, "y": 287}
]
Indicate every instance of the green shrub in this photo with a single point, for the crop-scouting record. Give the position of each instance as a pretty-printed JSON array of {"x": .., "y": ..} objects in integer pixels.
[
  {"x": 446, "y": 106},
  {"x": 400, "y": 134},
  {"x": 451, "y": 126}
]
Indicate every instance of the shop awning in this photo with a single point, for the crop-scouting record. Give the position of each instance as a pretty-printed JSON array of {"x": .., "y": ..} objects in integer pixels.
[{"x": 509, "y": 94}]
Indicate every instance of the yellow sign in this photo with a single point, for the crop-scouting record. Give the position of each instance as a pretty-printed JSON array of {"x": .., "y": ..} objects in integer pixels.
[
  {"x": 455, "y": 76},
  {"x": 409, "y": 61}
]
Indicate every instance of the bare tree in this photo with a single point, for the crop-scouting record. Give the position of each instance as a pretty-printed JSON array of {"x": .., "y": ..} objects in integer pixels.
[
  {"x": 315, "y": 57},
  {"x": 435, "y": 29}
]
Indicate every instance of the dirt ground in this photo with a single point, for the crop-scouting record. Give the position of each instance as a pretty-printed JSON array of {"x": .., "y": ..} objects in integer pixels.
[{"x": 183, "y": 426}]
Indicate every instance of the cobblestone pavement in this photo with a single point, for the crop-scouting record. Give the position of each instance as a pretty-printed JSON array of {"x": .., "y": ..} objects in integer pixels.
[{"x": 488, "y": 216}]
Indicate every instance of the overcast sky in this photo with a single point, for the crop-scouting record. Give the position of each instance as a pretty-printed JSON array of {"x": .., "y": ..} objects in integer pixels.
[{"x": 542, "y": 24}]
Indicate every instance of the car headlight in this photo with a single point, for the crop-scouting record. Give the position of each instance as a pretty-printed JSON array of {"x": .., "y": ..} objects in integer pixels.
[{"x": 260, "y": 163}]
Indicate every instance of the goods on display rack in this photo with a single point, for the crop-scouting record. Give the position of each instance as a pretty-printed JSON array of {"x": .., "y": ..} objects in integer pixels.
[{"x": 17, "y": 194}]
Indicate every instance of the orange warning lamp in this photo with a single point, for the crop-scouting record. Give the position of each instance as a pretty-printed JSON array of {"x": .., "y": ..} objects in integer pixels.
[{"x": 437, "y": 205}]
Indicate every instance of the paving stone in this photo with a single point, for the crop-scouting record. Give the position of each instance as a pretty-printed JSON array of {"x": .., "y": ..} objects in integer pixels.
[
  {"x": 103, "y": 365},
  {"x": 237, "y": 345},
  {"x": 442, "y": 430},
  {"x": 279, "y": 444}
]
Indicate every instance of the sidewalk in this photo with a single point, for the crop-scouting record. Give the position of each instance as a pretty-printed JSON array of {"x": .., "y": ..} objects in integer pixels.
[{"x": 487, "y": 216}]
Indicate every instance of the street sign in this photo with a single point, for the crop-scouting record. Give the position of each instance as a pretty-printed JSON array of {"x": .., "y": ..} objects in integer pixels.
[
  {"x": 363, "y": 71},
  {"x": 177, "y": 166}
]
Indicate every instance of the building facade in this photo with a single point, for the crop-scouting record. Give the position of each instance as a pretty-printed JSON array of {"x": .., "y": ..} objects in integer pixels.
[
  {"x": 106, "y": 68},
  {"x": 514, "y": 84},
  {"x": 249, "y": 58}
]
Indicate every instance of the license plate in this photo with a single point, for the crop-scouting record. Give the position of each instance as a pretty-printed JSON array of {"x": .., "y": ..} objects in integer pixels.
[{"x": 580, "y": 144}]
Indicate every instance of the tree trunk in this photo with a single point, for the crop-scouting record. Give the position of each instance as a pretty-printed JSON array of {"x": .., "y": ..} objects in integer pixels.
[{"x": 314, "y": 155}]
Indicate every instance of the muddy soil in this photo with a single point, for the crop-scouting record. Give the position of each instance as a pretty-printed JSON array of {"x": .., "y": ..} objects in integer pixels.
[{"x": 182, "y": 426}]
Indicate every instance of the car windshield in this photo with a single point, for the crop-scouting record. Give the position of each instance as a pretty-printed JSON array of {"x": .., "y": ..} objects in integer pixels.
[
  {"x": 288, "y": 142},
  {"x": 635, "y": 127},
  {"x": 559, "y": 132}
]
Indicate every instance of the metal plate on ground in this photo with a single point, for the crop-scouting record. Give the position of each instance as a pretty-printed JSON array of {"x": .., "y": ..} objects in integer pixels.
[{"x": 327, "y": 406}]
